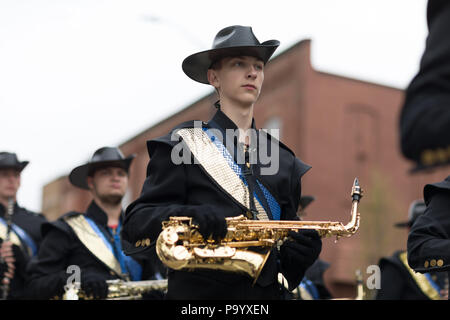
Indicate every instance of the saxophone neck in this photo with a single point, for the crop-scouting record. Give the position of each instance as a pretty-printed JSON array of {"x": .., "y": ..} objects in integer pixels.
[{"x": 356, "y": 195}]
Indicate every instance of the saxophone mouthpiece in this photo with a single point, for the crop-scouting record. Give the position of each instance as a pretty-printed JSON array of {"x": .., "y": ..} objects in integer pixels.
[{"x": 356, "y": 190}]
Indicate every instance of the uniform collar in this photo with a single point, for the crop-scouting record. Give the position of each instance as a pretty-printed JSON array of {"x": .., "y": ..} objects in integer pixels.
[
  {"x": 226, "y": 123},
  {"x": 98, "y": 215},
  {"x": 222, "y": 122}
]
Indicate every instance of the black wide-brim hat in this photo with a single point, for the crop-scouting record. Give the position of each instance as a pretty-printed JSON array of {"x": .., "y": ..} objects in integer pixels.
[
  {"x": 229, "y": 42},
  {"x": 416, "y": 208},
  {"x": 106, "y": 156},
  {"x": 305, "y": 201},
  {"x": 9, "y": 160}
]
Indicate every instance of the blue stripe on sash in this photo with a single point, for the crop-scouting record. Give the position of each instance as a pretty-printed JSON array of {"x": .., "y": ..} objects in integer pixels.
[
  {"x": 127, "y": 264},
  {"x": 273, "y": 204},
  {"x": 309, "y": 286},
  {"x": 24, "y": 236},
  {"x": 433, "y": 284}
]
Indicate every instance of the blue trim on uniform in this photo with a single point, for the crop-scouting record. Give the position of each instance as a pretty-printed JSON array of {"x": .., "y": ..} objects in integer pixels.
[
  {"x": 309, "y": 286},
  {"x": 433, "y": 284},
  {"x": 272, "y": 202},
  {"x": 24, "y": 236},
  {"x": 127, "y": 264}
]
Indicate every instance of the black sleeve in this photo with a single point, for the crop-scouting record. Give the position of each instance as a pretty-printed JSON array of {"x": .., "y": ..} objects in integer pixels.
[
  {"x": 289, "y": 210},
  {"x": 392, "y": 284},
  {"x": 425, "y": 116},
  {"x": 48, "y": 270},
  {"x": 429, "y": 238},
  {"x": 163, "y": 195}
]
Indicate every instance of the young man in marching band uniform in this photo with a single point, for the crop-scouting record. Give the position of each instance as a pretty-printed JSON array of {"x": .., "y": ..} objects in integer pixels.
[
  {"x": 24, "y": 234},
  {"x": 209, "y": 171},
  {"x": 399, "y": 281},
  {"x": 87, "y": 246}
]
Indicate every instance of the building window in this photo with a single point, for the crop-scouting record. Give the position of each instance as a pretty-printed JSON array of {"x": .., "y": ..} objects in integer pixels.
[{"x": 362, "y": 138}]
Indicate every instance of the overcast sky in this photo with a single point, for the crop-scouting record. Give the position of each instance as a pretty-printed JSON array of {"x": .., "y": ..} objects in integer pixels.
[{"x": 79, "y": 75}]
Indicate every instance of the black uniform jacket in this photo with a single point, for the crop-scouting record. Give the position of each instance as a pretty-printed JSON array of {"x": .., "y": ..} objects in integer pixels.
[
  {"x": 399, "y": 283},
  {"x": 31, "y": 223},
  {"x": 176, "y": 189},
  {"x": 425, "y": 116},
  {"x": 61, "y": 248},
  {"x": 429, "y": 238}
]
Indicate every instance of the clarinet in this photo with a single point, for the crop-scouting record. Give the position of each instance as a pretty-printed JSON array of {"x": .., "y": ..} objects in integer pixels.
[{"x": 9, "y": 214}]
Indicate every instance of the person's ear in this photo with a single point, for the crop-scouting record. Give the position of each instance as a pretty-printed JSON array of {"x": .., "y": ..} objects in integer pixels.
[
  {"x": 213, "y": 78},
  {"x": 90, "y": 182}
]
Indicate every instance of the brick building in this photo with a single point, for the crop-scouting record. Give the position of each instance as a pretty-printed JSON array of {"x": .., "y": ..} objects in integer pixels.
[{"x": 344, "y": 128}]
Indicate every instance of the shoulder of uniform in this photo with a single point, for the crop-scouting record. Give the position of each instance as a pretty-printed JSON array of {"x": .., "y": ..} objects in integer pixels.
[
  {"x": 31, "y": 213},
  {"x": 299, "y": 166},
  {"x": 69, "y": 215},
  {"x": 394, "y": 259},
  {"x": 60, "y": 223},
  {"x": 171, "y": 139},
  {"x": 39, "y": 215},
  {"x": 276, "y": 140},
  {"x": 431, "y": 188}
]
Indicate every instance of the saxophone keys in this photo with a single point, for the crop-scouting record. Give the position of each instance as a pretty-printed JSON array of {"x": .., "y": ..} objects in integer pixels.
[
  {"x": 170, "y": 235},
  {"x": 220, "y": 252},
  {"x": 180, "y": 253},
  {"x": 225, "y": 252}
]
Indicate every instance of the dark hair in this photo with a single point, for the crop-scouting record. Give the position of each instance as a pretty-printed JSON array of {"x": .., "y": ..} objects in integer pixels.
[{"x": 217, "y": 64}]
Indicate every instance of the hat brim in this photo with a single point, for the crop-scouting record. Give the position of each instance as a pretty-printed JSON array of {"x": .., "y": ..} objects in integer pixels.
[
  {"x": 78, "y": 176},
  {"x": 196, "y": 65},
  {"x": 405, "y": 224},
  {"x": 306, "y": 200},
  {"x": 18, "y": 166},
  {"x": 420, "y": 168}
]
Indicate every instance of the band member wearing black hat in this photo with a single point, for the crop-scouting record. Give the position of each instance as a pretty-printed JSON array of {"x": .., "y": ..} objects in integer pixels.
[
  {"x": 425, "y": 139},
  {"x": 399, "y": 281},
  {"x": 312, "y": 286},
  {"x": 19, "y": 225},
  {"x": 425, "y": 116},
  {"x": 221, "y": 175},
  {"x": 429, "y": 238},
  {"x": 89, "y": 241}
]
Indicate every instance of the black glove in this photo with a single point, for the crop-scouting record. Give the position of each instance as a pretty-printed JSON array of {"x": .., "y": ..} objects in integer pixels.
[
  {"x": 298, "y": 254},
  {"x": 94, "y": 285},
  {"x": 211, "y": 221}
]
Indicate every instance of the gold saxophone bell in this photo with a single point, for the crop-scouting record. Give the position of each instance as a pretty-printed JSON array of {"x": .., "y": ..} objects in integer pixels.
[{"x": 181, "y": 246}]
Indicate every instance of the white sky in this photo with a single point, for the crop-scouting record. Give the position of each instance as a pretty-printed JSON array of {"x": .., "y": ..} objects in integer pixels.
[{"x": 79, "y": 75}]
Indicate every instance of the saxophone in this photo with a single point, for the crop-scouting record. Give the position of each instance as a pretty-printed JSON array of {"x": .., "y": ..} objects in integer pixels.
[
  {"x": 119, "y": 289},
  {"x": 181, "y": 246}
]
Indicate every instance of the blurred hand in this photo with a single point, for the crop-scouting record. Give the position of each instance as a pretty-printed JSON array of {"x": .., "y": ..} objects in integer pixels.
[
  {"x": 298, "y": 254},
  {"x": 94, "y": 285},
  {"x": 210, "y": 221},
  {"x": 8, "y": 259}
]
